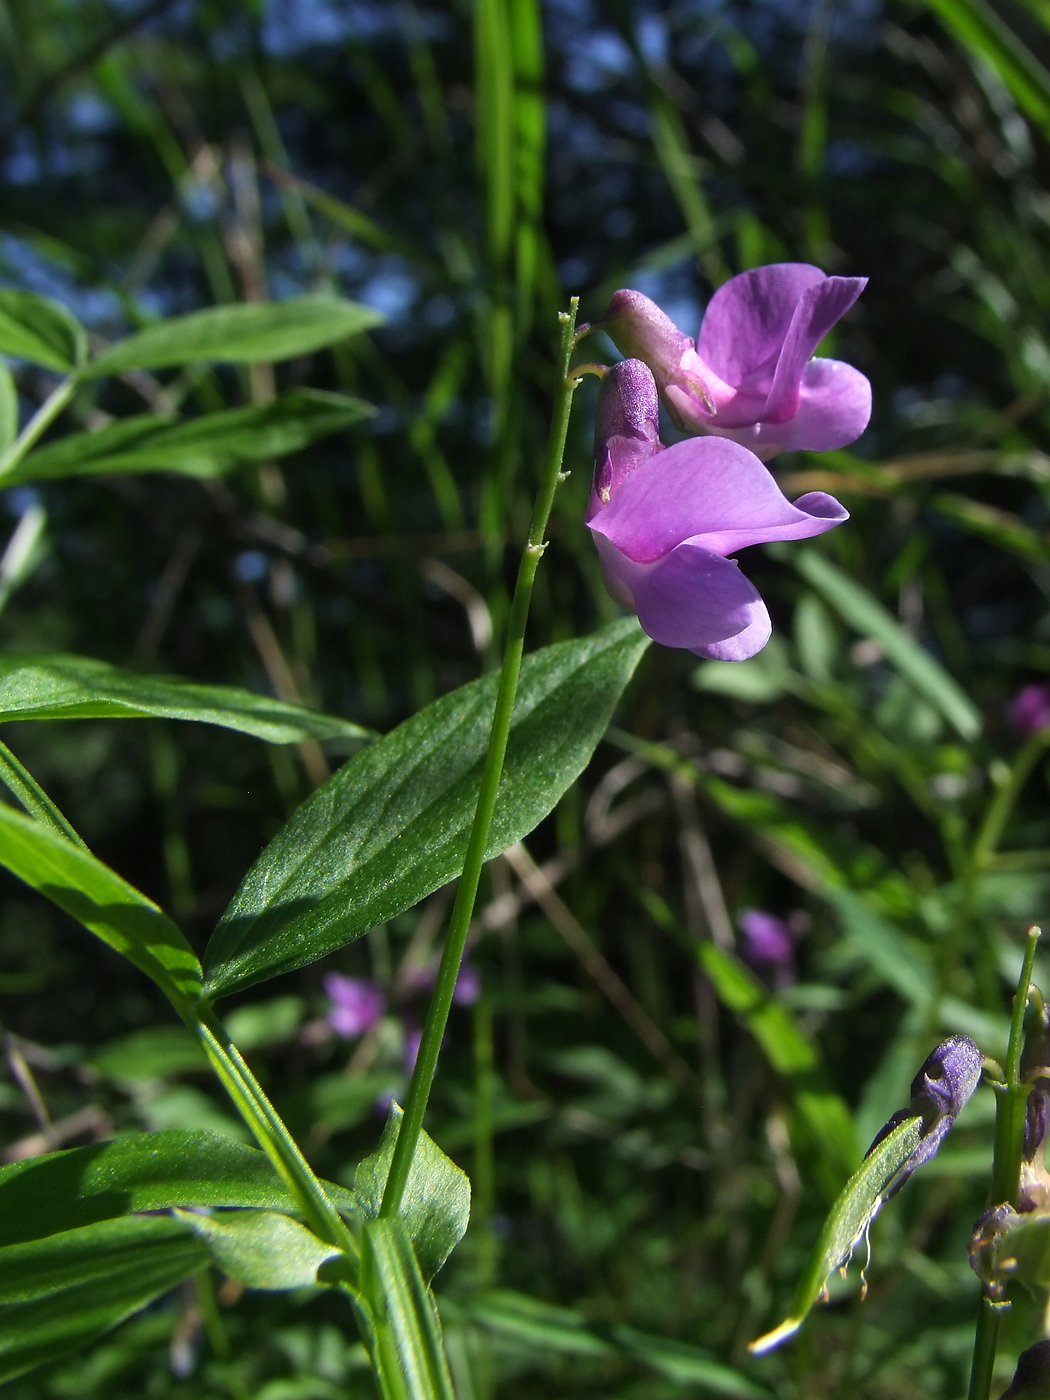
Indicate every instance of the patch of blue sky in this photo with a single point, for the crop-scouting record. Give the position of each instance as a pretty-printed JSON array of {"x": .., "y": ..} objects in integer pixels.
[
  {"x": 391, "y": 290},
  {"x": 86, "y": 112},
  {"x": 596, "y": 60},
  {"x": 289, "y": 26}
]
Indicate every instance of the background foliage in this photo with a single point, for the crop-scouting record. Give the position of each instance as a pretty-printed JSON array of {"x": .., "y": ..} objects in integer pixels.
[{"x": 651, "y": 1137}]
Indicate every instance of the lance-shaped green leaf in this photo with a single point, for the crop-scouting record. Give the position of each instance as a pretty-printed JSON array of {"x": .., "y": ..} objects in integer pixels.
[
  {"x": 850, "y": 1219},
  {"x": 202, "y": 447},
  {"x": 391, "y": 826},
  {"x": 115, "y": 911},
  {"x": 44, "y": 1266},
  {"x": 38, "y": 329},
  {"x": 404, "y": 1316},
  {"x": 144, "y": 1171},
  {"x": 943, "y": 1086},
  {"x": 544, "y": 1328},
  {"x": 261, "y": 1249},
  {"x": 248, "y": 333},
  {"x": 435, "y": 1207},
  {"x": 80, "y": 1284},
  {"x": 866, "y": 614},
  {"x": 79, "y": 687}
]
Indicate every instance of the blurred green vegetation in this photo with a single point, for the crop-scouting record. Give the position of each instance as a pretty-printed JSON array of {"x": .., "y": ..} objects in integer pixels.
[{"x": 652, "y": 1135}]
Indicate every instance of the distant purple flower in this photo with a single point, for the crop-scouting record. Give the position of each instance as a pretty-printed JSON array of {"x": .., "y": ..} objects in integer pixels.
[
  {"x": 767, "y": 945},
  {"x": 1029, "y": 710},
  {"x": 664, "y": 519},
  {"x": 413, "y": 1040},
  {"x": 750, "y": 375},
  {"x": 356, "y": 1004},
  {"x": 468, "y": 985}
]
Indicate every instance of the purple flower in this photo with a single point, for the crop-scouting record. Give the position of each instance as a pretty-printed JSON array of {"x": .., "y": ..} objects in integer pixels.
[
  {"x": 664, "y": 519},
  {"x": 939, "y": 1093},
  {"x": 468, "y": 985},
  {"x": 750, "y": 375},
  {"x": 413, "y": 1040},
  {"x": 1029, "y": 710},
  {"x": 356, "y": 1004},
  {"x": 767, "y": 945}
]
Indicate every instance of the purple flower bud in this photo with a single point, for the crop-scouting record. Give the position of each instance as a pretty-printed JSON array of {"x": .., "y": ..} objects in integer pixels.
[
  {"x": 664, "y": 521},
  {"x": 355, "y": 1004},
  {"x": 750, "y": 375},
  {"x": 627, "y": 427},
  {"x": 939, "y": 1092},
  {"x": 1029, "y": 710}
]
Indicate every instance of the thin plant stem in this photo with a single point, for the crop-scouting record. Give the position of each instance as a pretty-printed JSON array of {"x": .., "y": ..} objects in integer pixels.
[
  {"x": 38, "y": 424},
  {"x": 1002, "y": 803},
  {"x": 1006, "y": 1168},
  {"x": 452, "y": 956},
  {"x": 273, "y": 1137}
]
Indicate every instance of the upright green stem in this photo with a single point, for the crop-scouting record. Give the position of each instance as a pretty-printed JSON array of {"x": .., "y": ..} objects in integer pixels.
[
  {"x": 1002, "y": 803},
  {"x": 272, "y": 1135},
  {"x": 38, "y": 424},
  {"x": 1006, "y": 1168},
  {"x": 452, "y": 956}
]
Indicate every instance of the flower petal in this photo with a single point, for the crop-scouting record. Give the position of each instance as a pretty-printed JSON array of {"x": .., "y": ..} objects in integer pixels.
[
  {"x": 748, "y": 317},
  {"x": 713, "y": 492},
  {"x": 834, "y": 410},
  {"x": 819, "y": 308},
  {"x": 745, "y": 644},
  {"x": 691, "y": 599}
]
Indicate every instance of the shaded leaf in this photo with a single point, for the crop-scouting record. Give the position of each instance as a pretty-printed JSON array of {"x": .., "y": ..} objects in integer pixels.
[
  {"x": 545, "y": 1328},
  {"x": 40, "y": 330},
  {"x": 435, "y": 1207},
  {"x": 391, "y": 826},
  {"x": 143, "y": 1171},
  {"x": 200, "y": 447},
  {"x": 248, "y": 333},
  {"x": 772, "y": 1025},
  {"x": 55, "y": 1262},
  {"x": 79, "y": 687},
  {"x": 115, "y": 911},
  {"x": 866, "y": 614},
  {"x": 110, "y": 1271},
  {"x": 260, "y": 1249}
]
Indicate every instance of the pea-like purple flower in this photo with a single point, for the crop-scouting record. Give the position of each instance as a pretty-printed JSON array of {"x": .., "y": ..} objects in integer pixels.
[
  {"x": 355, "y": 1004},
  {"x": 750, "y": 375},
  {"x": 665, "y": 518}
]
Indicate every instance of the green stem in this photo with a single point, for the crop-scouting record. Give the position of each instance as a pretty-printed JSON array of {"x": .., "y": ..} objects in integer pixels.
[
  {"x": 1006, "y": 1168},
  {"x": 38, "y": 424},
  {"x": 452, "y": 956},
  {"x": 985, "y": 1344},
  {"x": 1002, "y": 803},
  {"x": 272, "y": 1135}
]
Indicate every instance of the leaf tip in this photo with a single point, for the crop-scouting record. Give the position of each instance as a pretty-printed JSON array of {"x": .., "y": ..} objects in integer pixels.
[{"x": 761, "y": 1346}]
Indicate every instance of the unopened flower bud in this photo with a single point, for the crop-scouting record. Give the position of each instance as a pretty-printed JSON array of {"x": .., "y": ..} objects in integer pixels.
[
  {"x": 939, "y": 1093},
  {"x": 627, "y": 427}
]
